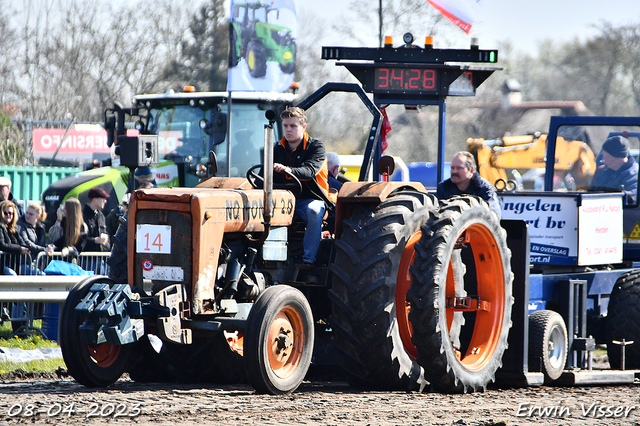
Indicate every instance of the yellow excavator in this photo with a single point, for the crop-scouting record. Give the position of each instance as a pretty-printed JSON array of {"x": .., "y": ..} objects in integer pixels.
[{"x": 521, "y": 160}]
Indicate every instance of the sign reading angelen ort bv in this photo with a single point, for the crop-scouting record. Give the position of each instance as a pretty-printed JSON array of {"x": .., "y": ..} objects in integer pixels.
[
  {"x": 563, "y": 233},
  {"x": 88, "y": 141}
]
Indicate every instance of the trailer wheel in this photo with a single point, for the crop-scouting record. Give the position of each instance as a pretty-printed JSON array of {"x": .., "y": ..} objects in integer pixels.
[
  {"x": 278, "y": 340},
  {"x": 91, "y": 365},
  {"x": 256, "y": 59},
  {"x": 548, "y": 341},
  {"x": 368, "y": 295},
  {"x": 623, "y": 321},
  {"x": 469, "y": 225}
]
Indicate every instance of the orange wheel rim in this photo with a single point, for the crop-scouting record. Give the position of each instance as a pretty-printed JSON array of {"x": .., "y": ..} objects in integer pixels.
[
  {"x": 402, "y": 287},
  {"x": 286, "y": 342},
  {"x": 104, "y": 354},
  {"x": 491, "y": 292}
]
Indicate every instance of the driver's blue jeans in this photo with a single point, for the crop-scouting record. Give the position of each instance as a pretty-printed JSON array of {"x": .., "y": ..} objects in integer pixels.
[{"x": 312, "y": 212}]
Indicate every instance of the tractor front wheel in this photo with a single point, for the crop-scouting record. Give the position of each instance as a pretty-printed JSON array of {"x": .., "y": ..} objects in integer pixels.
[
  {"x": 278, "y": 340},
  {"x": 256, "y": 59},
  {"x": 91, "y": 365}
]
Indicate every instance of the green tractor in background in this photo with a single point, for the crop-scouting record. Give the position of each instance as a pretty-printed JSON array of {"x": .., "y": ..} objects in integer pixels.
[{"x": 258, "y": 41}]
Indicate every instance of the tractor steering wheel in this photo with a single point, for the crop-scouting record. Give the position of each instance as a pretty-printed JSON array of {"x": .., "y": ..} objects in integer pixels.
[{"x": 257, "y": 181}]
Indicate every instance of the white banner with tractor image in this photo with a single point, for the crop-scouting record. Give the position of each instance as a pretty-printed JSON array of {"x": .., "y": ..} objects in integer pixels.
[
  {"x": 569, "y": 229},
  {"x": 262, "y": 54}
]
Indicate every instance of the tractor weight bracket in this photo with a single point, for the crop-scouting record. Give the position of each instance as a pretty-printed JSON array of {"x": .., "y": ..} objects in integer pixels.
[{"x": 107, "y": 318}]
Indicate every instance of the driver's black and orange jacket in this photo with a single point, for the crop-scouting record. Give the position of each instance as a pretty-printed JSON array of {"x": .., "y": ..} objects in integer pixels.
[{"x": 308, "y": 162}]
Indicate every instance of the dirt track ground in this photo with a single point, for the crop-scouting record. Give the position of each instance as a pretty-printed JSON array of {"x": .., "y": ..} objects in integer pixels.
[{"x": 50, "y": 401}]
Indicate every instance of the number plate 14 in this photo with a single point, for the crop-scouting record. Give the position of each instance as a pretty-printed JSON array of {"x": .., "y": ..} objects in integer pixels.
[{"x": 153, "y": 239}]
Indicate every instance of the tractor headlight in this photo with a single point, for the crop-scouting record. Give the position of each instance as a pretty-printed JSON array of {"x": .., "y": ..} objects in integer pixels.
[{"x": 282, "y": 37}]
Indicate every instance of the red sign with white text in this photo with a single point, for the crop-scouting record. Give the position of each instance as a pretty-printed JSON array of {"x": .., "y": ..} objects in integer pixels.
[{"x": 80, "y": 143}]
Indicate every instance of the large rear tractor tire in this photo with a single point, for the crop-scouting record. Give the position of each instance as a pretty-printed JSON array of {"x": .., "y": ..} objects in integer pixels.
[
  {"x": 368, "y": 295},
  {"x": 91, "y": 365},
  {"x": 623, "y": 321},
  {"x": 461, "y": 356},
  {"x": 256, "y": 57},
  {"x": 548, "y": 342},
  {"x": 278, "y": 340}
]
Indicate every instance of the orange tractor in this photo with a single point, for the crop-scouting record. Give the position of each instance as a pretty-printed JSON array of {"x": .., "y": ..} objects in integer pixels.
[{"x": 408, "y": 291}]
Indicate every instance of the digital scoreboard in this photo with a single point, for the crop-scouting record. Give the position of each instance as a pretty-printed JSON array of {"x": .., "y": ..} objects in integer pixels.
[{"x": 410, "y": 72}]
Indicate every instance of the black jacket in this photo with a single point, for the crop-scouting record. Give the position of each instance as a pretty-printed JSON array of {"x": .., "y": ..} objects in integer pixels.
[
  {"x": 97, "y": 225},
  {"x": 308, "y": 162},
  {"x": 113, "y": 220},
  {"x": 34, "y": 236},
  {"x": 624, "y": 179},
  {"x": 11, "y": 244}
]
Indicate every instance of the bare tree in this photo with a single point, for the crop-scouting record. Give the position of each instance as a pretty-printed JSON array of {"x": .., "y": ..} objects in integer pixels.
[
  {"x": 79, "y": 58},
  {"x": 204, "y": 50}
]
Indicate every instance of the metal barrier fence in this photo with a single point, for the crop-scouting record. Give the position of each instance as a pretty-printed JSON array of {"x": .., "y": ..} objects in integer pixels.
[{"x": 23, "y": 296}]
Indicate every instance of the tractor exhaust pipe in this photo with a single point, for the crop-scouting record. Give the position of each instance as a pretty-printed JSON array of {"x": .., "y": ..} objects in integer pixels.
[
  {"x": 267, "y": 210},
  {"x": 268, "y": 169}
]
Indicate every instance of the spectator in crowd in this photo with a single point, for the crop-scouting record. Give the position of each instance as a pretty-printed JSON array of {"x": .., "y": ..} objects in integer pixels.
[
  {"x": 97, "y": 236},
  {"x": 5, "y": 193},
  {"x": 11, "y": 243},
  {"x": 32, "y": 229},
  {"x": 466, "y": 180},
  {"x": 73, "y": 229},
  {"x": 618, "y": 171},
  {"x": 333, "y": 164},
  {"x": 145, "y": 178},
  {"x": 113, "y": 218},
  {"x": 117, "y": 262},
  {"x": 56, "y": 231}
]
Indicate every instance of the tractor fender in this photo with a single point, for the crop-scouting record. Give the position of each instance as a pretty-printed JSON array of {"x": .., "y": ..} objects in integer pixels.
[{"x": 374, "y": 192}]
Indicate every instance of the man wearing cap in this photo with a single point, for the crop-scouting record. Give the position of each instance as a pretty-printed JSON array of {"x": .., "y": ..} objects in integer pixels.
[
  {"x": 619, "y": 171},
  {"x": 97, "y": 237}
]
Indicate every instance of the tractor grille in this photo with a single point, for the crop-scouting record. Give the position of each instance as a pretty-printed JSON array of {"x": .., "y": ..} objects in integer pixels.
[{"x": 161, "y": 269}]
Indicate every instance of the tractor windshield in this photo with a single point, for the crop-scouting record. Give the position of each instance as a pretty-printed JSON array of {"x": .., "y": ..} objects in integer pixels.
[
  {"x": 247, "y": 140},
  {"x": 260, "y": 14},
  {"x": 179, "y": 132}
]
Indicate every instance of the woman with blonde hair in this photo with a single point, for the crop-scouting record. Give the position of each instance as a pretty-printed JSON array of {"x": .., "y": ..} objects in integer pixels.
[
  {"x": 11, "y": 243},
  {"x": 32, "y": 228}
]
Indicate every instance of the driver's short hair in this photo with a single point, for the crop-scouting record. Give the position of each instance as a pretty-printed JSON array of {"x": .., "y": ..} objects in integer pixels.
[
  {"x": 294, "y": 112},
  {"x": 469, "y": 160}
]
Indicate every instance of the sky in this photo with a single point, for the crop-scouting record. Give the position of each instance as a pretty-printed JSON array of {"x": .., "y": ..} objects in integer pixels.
[{"x": 526, "y": 22}]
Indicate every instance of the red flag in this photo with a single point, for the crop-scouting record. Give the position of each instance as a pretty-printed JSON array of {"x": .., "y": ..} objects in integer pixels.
[
  {"x": 463, "y": 13},
  {"x": 386, "y": 128}
]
